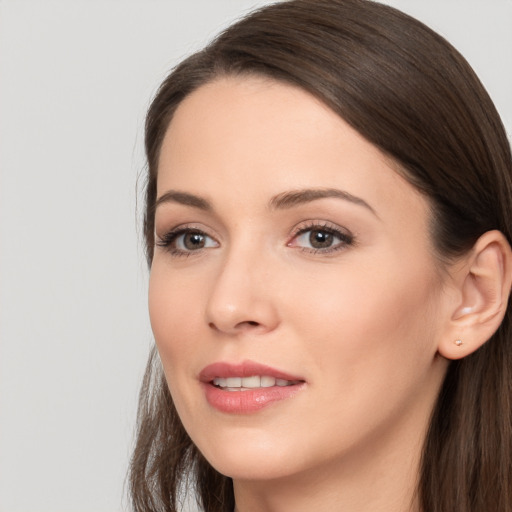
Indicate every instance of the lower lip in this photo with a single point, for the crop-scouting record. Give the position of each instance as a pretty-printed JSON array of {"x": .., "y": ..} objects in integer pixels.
[{"x": 246, "y": 402}]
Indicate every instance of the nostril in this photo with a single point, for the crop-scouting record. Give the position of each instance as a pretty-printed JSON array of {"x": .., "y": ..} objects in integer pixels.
[
  {"x": 240, "y": 326},
  {"x": 247, "y": 324}
]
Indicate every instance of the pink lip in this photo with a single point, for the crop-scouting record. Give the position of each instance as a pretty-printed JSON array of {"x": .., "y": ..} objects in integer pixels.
[
  {"x": 244, "y": 369},
  {"x": 245, "y": 402}
]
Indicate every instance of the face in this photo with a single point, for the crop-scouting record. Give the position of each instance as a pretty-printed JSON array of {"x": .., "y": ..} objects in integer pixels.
[{"x": 294, "y": 296}]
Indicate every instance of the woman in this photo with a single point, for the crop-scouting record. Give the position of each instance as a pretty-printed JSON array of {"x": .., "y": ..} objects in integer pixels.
[{"x": 327, "y": 226}]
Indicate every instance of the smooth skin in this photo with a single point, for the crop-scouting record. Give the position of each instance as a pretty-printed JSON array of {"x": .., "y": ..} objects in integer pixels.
[{"x": 345, "y": 291}]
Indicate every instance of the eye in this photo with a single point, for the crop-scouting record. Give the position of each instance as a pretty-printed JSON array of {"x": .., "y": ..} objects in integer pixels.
[
  {"x": 321, "y": 238},
  {"x": 184, "y": 241}
]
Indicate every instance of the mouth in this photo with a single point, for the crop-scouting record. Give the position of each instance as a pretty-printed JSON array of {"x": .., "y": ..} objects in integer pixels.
[
  {"x": 252, "y": 382},
  {"x": 247, "y": 387}
]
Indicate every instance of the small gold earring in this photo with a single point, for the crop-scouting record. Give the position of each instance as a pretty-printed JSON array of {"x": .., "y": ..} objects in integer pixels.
[{"x": 458, "y": 343}]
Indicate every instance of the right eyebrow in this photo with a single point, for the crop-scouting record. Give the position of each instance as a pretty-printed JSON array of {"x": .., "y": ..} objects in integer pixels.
[{"x": 174, "y": 196}]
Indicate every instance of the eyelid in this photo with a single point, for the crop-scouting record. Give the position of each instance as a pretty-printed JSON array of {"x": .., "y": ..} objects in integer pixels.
[
  {"x": 198, "y": 227},
  {"x": 168, "y": 239},
  {"x": 343, "y": 234},
  {"x": 319, "y": 224}
]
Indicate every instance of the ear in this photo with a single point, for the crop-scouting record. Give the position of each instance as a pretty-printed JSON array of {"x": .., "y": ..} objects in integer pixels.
[{"x": 482, "y": 290}]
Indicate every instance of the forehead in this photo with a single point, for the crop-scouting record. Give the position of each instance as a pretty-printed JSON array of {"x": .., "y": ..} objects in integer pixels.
[{"x": 252, "y": 137}]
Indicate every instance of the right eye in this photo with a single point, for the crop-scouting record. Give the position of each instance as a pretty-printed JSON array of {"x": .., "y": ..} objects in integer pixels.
[{"x": 184, "y": 241}]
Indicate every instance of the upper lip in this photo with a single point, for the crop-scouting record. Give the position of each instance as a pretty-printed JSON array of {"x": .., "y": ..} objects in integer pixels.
[{"x": 244, "y": 369}]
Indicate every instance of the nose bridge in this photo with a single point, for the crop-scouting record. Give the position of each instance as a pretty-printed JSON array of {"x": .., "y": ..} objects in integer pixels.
[{"x": 240, "y": 297}]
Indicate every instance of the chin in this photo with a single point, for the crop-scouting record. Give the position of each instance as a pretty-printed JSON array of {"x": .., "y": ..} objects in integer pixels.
[{"x": 255, "y": 470}]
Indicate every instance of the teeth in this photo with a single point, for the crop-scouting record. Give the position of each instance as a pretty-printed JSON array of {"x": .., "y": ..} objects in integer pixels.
[
  {"x": 233, "y": 382},
  {"x": 253, "y": 382},
  {"x": 267, "y": 382}
]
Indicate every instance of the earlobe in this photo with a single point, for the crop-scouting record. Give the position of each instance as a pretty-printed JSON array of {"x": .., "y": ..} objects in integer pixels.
[{"x": 484, "y": 288}]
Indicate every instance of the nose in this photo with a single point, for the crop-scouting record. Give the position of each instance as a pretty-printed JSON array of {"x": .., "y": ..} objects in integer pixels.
[{"x": 243, "y": 296}]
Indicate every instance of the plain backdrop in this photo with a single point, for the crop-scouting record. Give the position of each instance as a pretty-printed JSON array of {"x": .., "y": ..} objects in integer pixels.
[{"x": 76, "y": 77}]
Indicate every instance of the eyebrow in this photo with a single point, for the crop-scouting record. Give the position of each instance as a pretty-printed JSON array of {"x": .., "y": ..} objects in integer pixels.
[
  {"x": 281, "y": 201},
  {"x": 185, "y": 199},
  {"x": 297, "y": 197}
]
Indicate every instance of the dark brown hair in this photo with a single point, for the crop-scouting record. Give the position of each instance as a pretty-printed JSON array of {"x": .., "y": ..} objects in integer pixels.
[{"x": 411, "y": 94}]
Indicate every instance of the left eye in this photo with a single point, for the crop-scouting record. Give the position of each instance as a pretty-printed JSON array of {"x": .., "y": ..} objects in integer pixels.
[{"x": 321, "y": 238}]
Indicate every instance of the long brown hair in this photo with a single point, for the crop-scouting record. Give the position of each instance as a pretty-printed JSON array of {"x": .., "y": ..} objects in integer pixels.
[{"x": 411, "y": 94}]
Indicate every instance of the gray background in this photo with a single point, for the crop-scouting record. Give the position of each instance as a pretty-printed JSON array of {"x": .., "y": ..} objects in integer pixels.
[{"x": 75, "y": 80}]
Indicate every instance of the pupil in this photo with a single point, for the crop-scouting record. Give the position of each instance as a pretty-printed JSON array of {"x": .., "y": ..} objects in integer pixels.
[
  {"x": 194, "y": 241},
  {"x": 320, "y": 239}
]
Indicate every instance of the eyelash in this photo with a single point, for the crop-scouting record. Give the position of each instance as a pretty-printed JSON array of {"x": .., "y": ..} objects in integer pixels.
[
  {"x": 346, "y": 238},
  {"x": 168, "y": 240}
]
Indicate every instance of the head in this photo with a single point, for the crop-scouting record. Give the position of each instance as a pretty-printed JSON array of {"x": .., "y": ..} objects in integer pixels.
[{"x": 399, "y": 98}]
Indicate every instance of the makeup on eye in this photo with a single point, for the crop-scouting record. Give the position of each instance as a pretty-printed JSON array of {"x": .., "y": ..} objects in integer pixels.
[
  {"x": 183, "y": 241},
  {"x": 321, "y": 237},
  {"x": 314, "y": 237}
]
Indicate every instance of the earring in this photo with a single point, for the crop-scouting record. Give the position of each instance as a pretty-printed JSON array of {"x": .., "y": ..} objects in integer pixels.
[{"x": 458, "y": 343}]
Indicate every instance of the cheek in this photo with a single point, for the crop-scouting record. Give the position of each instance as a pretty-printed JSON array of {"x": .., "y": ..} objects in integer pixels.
[
  {"x": 369, "y": 317},
  {"x": 369, "y": 351},
  {"x": 174, "y": 315}
]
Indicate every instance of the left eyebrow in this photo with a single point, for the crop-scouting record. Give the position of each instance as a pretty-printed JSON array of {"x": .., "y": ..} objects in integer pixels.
[{"x": 297, "y": 197}]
